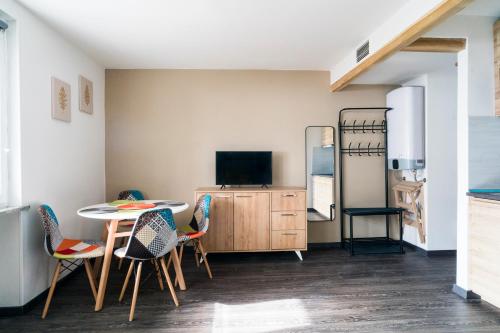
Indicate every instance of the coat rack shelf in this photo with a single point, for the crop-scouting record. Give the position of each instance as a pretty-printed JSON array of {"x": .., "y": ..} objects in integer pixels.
[{"x": 371, "y": 149}]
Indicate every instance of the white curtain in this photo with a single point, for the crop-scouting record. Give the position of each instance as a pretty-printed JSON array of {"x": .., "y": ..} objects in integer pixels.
[{"x": 4, "y": 120}]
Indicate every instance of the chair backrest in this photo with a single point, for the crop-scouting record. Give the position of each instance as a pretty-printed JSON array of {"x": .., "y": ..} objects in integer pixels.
[
  {"x": 154, "y": 235},
  {"x": 201, "y": 214},
  {"x": 50, "y": 226},
  {"x": 131, "y": 195}
]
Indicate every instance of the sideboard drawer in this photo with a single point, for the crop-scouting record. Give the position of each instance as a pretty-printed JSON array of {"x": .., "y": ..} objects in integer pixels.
[
  {"x": 288, "y": 220},
  {"x": 293, "y": 200},
  {"x": 288, "y": 239}
]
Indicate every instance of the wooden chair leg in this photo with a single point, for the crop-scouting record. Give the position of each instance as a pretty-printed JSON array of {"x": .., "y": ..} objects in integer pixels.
[
  {"x": 98, "y": 260},
  {"x": 52, "y": 288},
  {"x": 203, "y": 255},
  {"x": 181, "y": 251},
  {"x": 196, "y": 258},
  {"x": 127, "y": 278},
  {"x": 169, "y": 282},
  {"x": 90, "y": 275},
  {"x": 136, "y": 291},
  {"x": 123, "y": 244},
  {"x": 158, "y": 274},
  {"x": 169, "y": 262}
]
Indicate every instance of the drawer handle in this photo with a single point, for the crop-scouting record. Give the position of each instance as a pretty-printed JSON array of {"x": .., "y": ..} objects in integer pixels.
[
  {"x": 289, "y": 234},
  {"x": 244, "y": 196},
  {"x": 223, "y": 196},
  {"x": 289, "y": 195},
  {"x": 289, "y": 214}
]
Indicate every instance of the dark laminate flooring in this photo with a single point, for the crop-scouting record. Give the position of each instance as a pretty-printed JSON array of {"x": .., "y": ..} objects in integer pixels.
[{"x": 274, "y": 292}]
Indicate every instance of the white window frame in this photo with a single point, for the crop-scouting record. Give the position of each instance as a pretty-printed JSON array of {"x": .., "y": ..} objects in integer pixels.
[{"x": 4, "y": 121}]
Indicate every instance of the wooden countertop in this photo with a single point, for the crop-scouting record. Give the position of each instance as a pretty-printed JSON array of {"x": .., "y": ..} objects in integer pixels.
[{"x": 250, "y": 189}]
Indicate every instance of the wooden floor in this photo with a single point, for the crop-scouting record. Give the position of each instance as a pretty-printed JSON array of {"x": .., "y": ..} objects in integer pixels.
[{"x": 274, "y": 292}]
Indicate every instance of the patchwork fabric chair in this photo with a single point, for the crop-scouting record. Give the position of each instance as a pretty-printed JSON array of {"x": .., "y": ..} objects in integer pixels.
[
  {"x": 134, "y": 195},
  {"x": 131, "y": 195},
  {"x": 67, "y": 252},
  {"x": 153, "y": 236},
  {"x": 195, "y": 230}
]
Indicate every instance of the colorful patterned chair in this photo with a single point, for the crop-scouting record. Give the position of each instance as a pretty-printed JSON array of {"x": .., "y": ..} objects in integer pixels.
[
  {"x": 131, "y": 195},
  {"x": 194, "y": 230},
  {"x": 66, "y": 251},
  {"x": 153, "y": 236}
]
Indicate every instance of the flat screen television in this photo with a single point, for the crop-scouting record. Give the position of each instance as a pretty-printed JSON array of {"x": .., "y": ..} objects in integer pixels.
[{"x": 243, "y": 168}]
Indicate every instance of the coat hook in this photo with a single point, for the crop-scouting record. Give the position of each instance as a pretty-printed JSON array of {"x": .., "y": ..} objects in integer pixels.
[
  {"x": 383, "y": 126},
  {"x": 364, "y": 121},
  {"x": 359, "y": 149},
  {"x": 373, "y": 127},
  {"x": 344, "y": 126},
  {"x": 378, "y": 149},
  {"x": 368, "y": 151},
  {"x": 354, "y": 127},
  {"x": 350, "y": 143}
]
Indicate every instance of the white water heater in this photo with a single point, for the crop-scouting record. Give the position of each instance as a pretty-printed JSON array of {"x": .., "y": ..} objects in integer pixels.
[{"x": 406, "y": 128}]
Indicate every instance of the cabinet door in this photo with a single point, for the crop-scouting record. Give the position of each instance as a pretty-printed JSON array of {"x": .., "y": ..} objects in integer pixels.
[
  {"x": 219, "y": 236},
  {"x": 251, "y": 221}
]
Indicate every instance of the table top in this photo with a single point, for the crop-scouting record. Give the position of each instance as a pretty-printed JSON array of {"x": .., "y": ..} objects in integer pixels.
[{"x": 112, "y": 211}]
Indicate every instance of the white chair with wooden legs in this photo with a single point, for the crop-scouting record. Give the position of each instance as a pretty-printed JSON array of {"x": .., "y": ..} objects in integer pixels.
[
  {"x": 153, "y": 236},
  {"x": 67, "y": 252},
  {"x": 193, "y": 232}
]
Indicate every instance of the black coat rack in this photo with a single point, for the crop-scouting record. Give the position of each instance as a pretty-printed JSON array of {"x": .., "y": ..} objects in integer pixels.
[{"x": 376, "y": 149}]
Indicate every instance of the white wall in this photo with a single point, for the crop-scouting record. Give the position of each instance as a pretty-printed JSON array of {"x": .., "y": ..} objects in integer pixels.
[
  {"x": 61, "y": 164},
  {"x": 440, "y": 154},
  {"x": 478, "y": 30},
  {"x": 411, "y": 233},
  {"x": 475, "y": 98}
]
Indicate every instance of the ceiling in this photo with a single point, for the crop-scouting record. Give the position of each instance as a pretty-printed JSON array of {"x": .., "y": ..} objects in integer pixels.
[
  {"x": 216, "y": 34},
  {"x": 404, "y": 66}
]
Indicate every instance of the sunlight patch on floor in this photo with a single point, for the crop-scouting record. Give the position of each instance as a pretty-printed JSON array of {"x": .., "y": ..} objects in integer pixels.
[{"x": 260, "y": 317}]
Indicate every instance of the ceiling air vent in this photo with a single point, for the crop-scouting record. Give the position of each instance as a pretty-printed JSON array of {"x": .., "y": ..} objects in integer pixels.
[{"x": 363, "y": 51}]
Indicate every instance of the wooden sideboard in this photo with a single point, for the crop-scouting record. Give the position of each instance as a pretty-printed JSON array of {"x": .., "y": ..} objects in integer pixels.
[
  {"x": 256, "y": 219},
  {"x": 484, "y": 249}
]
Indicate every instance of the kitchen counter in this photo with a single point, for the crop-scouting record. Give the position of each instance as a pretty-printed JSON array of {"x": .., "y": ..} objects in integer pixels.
[
  {"x": 483, "y": 246},
  {"x": 485, "y": 195}
]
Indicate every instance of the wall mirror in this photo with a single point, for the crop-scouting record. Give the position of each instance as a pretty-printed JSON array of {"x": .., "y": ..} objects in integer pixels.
[{"x": 320, "y": 173}]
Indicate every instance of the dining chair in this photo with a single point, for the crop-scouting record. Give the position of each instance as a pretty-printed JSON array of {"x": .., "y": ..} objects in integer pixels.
[
  {"x": 132, "y": 195},
  {"x": 153, "y": 236},
  {"x": 67, "y": 252},
  {"x": 193, "y": 232}
]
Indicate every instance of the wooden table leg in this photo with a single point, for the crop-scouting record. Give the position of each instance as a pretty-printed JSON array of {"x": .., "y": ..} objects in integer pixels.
[
  {"x": 178, "y": 269},
  {"x": 98, "y": 260},
  {"x": 108, "y": 254}
]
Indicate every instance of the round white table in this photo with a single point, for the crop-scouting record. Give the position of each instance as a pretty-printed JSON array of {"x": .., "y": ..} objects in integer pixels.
[{"x": 116, "y": 216}]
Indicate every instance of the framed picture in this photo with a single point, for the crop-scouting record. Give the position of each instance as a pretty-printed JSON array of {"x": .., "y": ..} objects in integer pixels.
[
  {"x": 86, "y": 95},
  {"x": 61, "y": 100}
]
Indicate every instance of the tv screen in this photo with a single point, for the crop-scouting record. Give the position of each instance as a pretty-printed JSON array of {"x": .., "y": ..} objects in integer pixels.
[{"x": 243, "y": 168}]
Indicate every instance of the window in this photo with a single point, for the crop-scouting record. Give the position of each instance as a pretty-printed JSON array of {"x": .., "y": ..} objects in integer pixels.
[{"x": 4, "y": 134}]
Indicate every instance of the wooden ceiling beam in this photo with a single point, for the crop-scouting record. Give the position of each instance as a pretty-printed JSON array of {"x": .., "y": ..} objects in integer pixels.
[
  {"x": 444, "y": 10},
  {"x": 431, "y": 44}
]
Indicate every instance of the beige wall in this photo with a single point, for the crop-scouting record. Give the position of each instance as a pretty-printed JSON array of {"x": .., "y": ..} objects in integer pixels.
[{"x": 164, "y": 126}]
